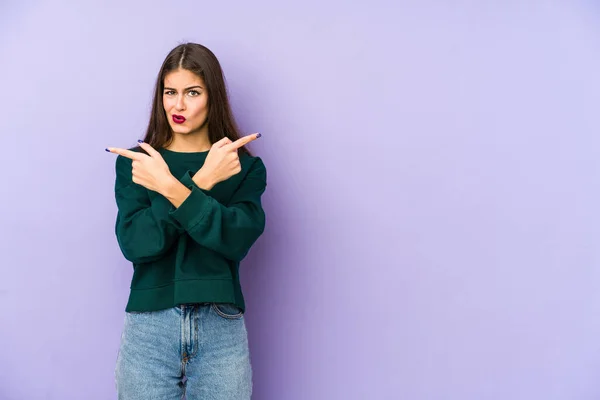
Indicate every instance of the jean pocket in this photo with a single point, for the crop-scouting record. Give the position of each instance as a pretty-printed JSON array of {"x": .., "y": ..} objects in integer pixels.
[{"x": 227, "y": 310}]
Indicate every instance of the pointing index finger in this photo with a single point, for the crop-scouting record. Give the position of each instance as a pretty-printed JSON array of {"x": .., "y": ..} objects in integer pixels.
[
  {"x": 127, "y": 153},
  {"x": 244, "y": 141}
]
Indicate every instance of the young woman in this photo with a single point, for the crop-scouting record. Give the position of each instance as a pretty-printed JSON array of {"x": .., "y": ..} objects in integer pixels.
[{"x": 189, "y": 209}]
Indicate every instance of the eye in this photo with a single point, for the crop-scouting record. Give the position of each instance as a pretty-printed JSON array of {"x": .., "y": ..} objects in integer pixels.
[
  {"x": 194, "y": 93},
  {"x": 170, "y": 92}
]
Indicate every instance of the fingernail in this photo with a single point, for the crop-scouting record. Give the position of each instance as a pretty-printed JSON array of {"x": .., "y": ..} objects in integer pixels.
[
  {"x": 107, "y": 150},
  {"x": 258, "y": 135},
  {"x": 140, "y": 141}
]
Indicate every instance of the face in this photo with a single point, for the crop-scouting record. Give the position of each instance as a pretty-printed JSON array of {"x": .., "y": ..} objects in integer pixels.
[{"x": 185, "y": 101}]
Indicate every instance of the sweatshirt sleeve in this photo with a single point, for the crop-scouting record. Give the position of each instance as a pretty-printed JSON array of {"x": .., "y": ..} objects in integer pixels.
[
  {"x": 145, "y": 231},
  {"x": 228, "y": 230}
]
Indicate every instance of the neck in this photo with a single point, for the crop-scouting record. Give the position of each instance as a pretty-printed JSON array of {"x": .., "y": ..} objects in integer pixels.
[{"x": 189, "y": 143}]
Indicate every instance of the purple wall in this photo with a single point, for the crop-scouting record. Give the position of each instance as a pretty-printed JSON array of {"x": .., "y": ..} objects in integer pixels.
[{"x": 432, "y": 205}]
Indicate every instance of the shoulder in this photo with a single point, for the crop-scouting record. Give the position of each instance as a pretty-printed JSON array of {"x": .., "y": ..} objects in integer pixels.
[{"x": 253, "y": 165}]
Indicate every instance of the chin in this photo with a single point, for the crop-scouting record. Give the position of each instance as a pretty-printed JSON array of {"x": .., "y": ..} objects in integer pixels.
[{"x": 182, "y": 130}]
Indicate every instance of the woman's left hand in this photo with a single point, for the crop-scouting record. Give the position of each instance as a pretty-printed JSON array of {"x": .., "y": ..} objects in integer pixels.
[{"x": 149, "y": 170}]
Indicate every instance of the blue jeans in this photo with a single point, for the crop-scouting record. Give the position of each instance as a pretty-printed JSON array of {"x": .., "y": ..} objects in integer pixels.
[{"x": 198, "y": 351}]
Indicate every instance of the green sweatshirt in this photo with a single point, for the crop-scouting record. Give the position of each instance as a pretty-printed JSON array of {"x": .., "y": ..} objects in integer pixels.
[{"x": 189, "y": 254}]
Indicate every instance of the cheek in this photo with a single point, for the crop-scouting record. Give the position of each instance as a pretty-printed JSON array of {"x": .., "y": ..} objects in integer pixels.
[
  {"x": 166, "y": 104},
  {"x": 200, "y": 108}
]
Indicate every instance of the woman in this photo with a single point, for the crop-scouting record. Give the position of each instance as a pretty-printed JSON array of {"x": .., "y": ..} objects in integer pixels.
[{"x": 189, "y": 209}]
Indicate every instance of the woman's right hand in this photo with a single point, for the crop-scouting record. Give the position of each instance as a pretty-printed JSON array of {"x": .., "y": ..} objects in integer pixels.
[{"x": 222, "y": 161}]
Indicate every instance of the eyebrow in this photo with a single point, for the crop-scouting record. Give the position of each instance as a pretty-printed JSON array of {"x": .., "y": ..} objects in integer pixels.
[{"x": 188, "y": 88}]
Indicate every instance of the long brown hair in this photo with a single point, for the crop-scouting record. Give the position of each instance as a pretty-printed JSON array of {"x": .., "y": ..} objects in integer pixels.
[{"x": 202, "y": 62}]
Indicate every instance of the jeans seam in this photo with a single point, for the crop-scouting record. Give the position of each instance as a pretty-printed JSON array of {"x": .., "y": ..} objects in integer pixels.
[{"x": 197, "y": 323}]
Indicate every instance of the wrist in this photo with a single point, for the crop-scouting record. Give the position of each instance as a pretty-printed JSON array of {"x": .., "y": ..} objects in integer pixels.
[
  {"x": 175, "y": 192},
  {"x": 202, "y": 180},
  {"x": 170, "y": 187}
]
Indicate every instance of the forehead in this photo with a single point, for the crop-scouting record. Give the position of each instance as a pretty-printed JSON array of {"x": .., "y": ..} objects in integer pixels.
[{"x": 182, "y": 78}]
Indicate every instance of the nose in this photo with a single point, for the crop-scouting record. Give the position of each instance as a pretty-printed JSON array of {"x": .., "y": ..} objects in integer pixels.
[{"x": 180, "y": 106}]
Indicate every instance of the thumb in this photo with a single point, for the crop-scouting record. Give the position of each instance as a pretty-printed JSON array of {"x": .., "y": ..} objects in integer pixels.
[{"x": 222, "y": 142}]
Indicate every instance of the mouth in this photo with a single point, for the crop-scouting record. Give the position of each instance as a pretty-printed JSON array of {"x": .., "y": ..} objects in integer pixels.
[{"x": 178, "y": 119}]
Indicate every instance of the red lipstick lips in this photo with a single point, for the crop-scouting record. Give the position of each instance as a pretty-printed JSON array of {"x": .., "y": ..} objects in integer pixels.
[{"x": 178, "y": 119}]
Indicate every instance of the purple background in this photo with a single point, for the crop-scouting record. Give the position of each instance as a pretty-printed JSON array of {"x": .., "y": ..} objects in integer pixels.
[{"x": 433, "y": 198}]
